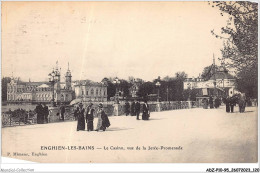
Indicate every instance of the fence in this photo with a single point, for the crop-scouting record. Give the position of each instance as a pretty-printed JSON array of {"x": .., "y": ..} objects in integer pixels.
[
  {"x": 23, "y": 117},
  {"x": 162, "y": 106}
]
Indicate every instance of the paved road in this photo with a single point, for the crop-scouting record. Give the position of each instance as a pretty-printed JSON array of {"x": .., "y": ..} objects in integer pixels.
[{"x": 187, "y": 136}]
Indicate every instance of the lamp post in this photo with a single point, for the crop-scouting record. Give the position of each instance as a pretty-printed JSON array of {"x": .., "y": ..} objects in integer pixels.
[
  {"x": 224, "y": 92},
  {"x": 117, "y": 82},
  {"x": 52, "y": 78},
  {"x": 189, "y": 90},
  {"x": 158, "y": 84},
  {"x": 102, "y": 91},
  {"x": 167, "y": 93}
]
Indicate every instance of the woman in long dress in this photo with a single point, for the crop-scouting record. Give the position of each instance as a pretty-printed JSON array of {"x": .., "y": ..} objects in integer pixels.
[
  {"x": 103, "y": 121},
  {"x": 90, "y": 117},
  {"x": 146, "y": 112},
  {"x": 81, "y": 118}
]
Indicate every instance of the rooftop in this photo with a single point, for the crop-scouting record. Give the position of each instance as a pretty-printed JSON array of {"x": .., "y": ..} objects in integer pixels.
[
  {"x": 88, "y": 82},
  {"x": 222, "y": 75}
]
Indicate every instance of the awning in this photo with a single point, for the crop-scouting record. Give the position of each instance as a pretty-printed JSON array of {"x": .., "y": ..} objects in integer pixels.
[{"x": 75, "y": 101}]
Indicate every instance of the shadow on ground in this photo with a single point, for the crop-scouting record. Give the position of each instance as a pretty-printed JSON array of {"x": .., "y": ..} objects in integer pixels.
[
  {"x": 155, "y": 119},
  {"x": 117, "y": 129}
]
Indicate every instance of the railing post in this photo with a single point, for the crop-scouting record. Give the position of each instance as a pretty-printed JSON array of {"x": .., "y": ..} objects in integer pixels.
[
  {"x": 189, "y": 104},
  {"x": 19, "y": 118},
  {"x": 116, "y": 109},
  {"x": 158, "y": 107},
  {"x": 10, "y": 120}
]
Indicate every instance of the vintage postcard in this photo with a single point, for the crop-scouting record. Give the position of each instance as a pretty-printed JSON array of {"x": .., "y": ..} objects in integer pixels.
[{"x": 130, "y": 82}]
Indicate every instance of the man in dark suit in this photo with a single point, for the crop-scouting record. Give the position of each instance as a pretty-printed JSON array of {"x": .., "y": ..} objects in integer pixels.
[
  {"x": 40, "y": 113},
  {"x": 46, "y": 113},
  {"x": 133, "y": 109},
  {"x": 137, "y": 109},
  {"x": 232, "y": 104},
  {"x": 227, "y": 102},
  {"x": 62, "y": 112},
  {"x": 211, "y": 102},
  {"x": 127, "y": 108}
]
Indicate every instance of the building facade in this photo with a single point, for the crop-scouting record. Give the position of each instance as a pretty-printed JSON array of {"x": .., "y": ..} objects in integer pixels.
[
  {"x": 18, "y": 91},
  {"x": 225, "y": 84},
  {"x": 90, "y": 91},
  {"x": 135, "y": 85}
]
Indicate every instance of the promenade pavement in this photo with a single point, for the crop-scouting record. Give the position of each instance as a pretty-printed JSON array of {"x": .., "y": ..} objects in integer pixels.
[{"x": 177, "y": 136}]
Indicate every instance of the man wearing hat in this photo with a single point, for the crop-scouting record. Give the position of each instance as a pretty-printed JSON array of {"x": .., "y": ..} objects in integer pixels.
[
  {"x": 90, "y": 117},
  {"x": 46, "y": 112},
  {"x": 133, "y": 108},
  {"x": 40, "y": 113},
  {"x": 62, "y": 112},
  {"x": 137, "y": 109}
]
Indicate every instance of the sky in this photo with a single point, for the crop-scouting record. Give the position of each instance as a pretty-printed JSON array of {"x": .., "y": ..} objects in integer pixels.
[{"x": 109, "y": 39}]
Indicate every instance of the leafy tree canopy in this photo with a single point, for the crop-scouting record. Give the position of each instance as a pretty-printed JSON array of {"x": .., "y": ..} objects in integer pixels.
[{"x": 240, "y": 50}]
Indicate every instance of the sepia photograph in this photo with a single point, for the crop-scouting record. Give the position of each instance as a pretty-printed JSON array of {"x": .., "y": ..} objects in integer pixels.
[{"x": 130, "y": 82}]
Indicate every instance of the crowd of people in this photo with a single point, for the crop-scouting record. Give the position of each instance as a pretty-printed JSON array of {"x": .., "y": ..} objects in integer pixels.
[
  {"x": 230, "y": 102},
  {"x": 87, "y": 116},
  {"x": 211, "y": 102},
  {"x": 135, "y": 108},
  {"x": 42, "y": 112}
]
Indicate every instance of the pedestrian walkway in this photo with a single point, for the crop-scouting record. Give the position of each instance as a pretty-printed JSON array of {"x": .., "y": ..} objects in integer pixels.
[{"x": 177, "y": 136}]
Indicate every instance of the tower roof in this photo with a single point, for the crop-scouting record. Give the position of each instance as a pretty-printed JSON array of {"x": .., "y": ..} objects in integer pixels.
[
  {"x": 68, "y": 73},
  {"x": 222, "y": 75}
]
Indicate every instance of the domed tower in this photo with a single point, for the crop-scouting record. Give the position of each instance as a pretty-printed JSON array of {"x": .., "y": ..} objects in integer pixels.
[{"x": 68, "y": 78}]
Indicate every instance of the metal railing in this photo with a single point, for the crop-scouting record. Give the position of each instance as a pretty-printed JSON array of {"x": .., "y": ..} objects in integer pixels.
[{"x": 16, "y": 118}]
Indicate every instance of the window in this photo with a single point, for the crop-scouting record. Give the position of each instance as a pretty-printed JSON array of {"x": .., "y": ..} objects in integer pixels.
[
  {"x": 96, "y": 91},
  {"x": 82, "y": 92},
  {"x": 87, "y": 92},
  {"x": 92, "y": 91},
  {"x": 100, "y": 92}
]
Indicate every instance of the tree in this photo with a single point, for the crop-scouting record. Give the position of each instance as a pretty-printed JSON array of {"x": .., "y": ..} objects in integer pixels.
[
  {"x": 124, "y": 86},
  {"x": 5, "y": 81},
  {"x": 171, "y": 88},
  {"x": 180, "y": 77},
  {"x": 241, "y": 46},
  {"x": 145, "y": 89},
  {"x": 209, "y": 71},
  {"x": 190, "y": 93},
  {"x": 111, "y": 88}
]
